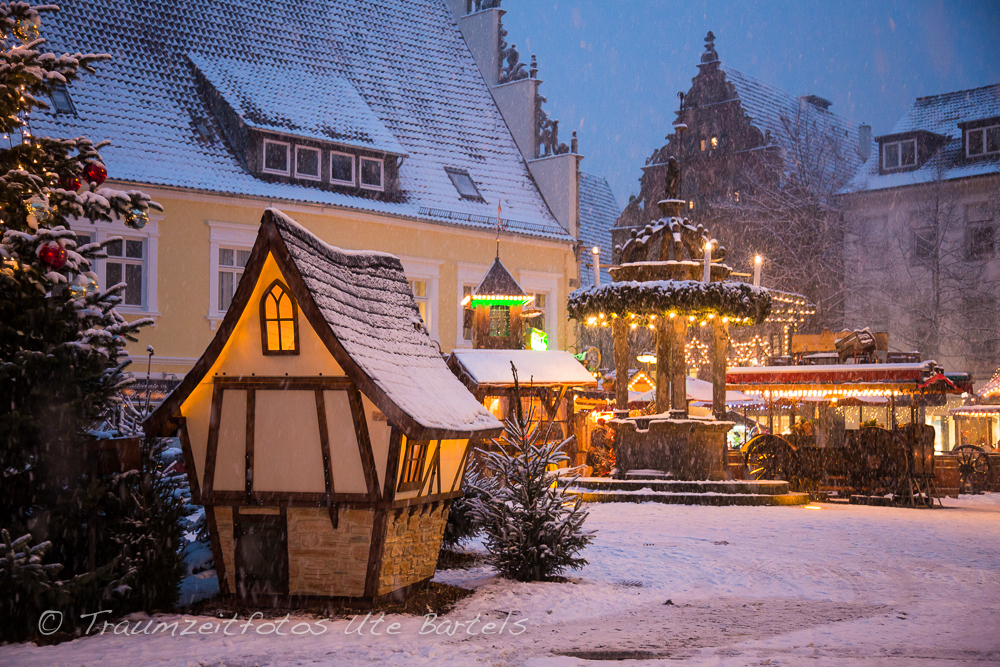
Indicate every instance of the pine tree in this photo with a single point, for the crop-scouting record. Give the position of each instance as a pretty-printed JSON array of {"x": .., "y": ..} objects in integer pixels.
[
  {"x": 63, "y": 359},
  {"x": 62, "y": 344},
  {"x": 534, "y": 529}
]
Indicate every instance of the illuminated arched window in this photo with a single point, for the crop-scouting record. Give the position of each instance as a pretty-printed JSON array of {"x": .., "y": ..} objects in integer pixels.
[{"x": 279, "y": 326}]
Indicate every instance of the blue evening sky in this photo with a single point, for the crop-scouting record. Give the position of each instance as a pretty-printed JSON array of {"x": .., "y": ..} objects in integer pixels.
[{"x": 611, "y": 69}]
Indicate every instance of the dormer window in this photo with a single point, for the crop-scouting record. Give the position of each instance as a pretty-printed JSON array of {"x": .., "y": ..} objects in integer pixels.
[
  {"x": 982, "y": 141},
  {"x": 462, "y": 181},
  {"x": 371, "y": 173},
  {"x": 899, "y": 154},
  {"x": 276, "y": 157},
  {"x": 341, "y": 168},
  {"x": 307, "y": 163}
]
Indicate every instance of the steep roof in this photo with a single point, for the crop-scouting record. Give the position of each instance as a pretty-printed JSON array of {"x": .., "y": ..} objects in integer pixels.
[
  {"x": 770, "y": 108},
  {"x": 498, "y": 282},
  {"x": 362, "y": 307},
  {"x": 941, "y": 115},
  {"x": 416, "y": 91},
  {"x": 598, "y": 212}
]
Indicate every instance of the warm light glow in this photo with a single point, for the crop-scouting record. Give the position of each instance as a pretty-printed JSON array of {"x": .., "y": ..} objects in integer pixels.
[
  {"x": 811, "y": 507},
  {"x": 595, "y": 250},
  {"x": 758, "y": 259},
  {"x": 467, "y": 300},
  {"x": 646, "y": 358}
]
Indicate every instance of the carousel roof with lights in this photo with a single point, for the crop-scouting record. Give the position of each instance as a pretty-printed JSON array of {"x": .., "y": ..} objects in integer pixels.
[{"x": 992, "y": 388}]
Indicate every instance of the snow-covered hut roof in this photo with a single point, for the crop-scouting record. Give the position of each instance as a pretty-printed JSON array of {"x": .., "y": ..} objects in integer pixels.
[
  {"x": 598, "y": 212},
  {"x": 534, "y": 367},
  {"x": 941, "y": 115},
  {"x": 363, "y": 309},
  {"x": 398, "y": 71}
]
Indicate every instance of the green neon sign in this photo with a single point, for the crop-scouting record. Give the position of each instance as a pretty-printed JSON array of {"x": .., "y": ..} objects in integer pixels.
[
  {"x": 539, "y": 340},
  {"x": 498, "y": 301}
]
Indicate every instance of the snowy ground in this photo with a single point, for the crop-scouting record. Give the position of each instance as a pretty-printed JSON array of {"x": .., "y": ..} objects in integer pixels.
[{"x": 843, "y": 585}]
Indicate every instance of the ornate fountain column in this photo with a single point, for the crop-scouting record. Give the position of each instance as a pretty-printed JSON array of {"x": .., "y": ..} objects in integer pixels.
[
  {"x": 720, "y": 345},
  {"x": 678, "y": 370},
  {"x": 664, "y": 338},
  {"x": 619, "y": 333}
]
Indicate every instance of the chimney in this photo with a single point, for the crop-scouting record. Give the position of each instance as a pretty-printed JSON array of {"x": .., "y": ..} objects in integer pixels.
[{"x": 864, "y": 141}]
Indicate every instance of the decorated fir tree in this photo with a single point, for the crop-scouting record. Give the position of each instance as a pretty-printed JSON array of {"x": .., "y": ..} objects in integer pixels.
[
  {"x": 62, "y": 345},
  {"x": 533, "y": 529}
]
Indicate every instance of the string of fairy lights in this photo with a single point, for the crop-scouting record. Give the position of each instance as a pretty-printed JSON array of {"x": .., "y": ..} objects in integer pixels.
[{"x": 636, "y": 320}]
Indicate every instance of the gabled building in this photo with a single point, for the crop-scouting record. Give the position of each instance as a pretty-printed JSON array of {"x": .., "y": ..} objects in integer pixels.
[
  {"x": 321, "y": 428},
  {"x": 739, "y": 140},
  {"x": 922, "y": 246},
  {"x": 371, "y": 123}
]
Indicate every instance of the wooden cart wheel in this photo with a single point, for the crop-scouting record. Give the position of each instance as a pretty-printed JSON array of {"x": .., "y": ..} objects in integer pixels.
[
  {"x": 770, "y": 457},
  {"x": 973, "y": 468}
]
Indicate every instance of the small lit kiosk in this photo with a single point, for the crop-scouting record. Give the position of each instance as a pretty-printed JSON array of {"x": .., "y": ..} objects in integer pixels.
[
  {"x": 321, "y": 428},
  {"x": 496, "y": 307},
  {"x": 500, "y": 314}
]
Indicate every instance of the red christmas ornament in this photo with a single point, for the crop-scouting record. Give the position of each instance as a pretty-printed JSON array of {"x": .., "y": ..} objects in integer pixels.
[
  {"x": 95, "y": 173},
  {"x": 53, "y": 254},
  {"x": 71, "y": 183}
]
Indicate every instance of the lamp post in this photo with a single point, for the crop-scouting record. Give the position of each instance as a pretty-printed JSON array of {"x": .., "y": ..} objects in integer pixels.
[
  {"x": 596, "y": 253},
  {"x": 757, "y": 261},
  {"x": 707, "y": 278}
]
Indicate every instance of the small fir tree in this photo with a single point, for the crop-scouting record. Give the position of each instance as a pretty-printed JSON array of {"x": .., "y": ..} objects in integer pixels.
[
  {"x": 462, "y": 525},
  {"x": 534, "y": 529}
]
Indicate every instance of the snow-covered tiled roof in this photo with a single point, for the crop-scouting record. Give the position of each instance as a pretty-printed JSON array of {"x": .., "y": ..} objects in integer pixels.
[
  {"x": 326, "y": 108},
  {"x": 767, "y": 106},
  {"x": 368, "y": 304},
  {"x": 405, "y": 59},
  {"x": 598, "y": 212},
  {"x": 941, "y": 115}
]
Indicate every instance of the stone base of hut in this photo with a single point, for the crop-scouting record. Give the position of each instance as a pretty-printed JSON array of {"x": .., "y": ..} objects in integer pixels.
[{"x": 366, "y": 556}]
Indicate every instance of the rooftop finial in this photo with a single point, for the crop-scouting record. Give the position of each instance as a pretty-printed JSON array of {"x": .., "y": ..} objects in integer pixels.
[{"x": 710, "y": 54}]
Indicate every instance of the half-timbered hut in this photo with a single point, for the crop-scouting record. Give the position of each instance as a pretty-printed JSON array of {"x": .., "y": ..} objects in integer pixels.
[{"x": 322, "y": 429}]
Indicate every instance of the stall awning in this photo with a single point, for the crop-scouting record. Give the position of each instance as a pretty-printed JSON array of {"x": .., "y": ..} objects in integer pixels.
[
  {"x": 837, "y": 379},
  {"x": 491, "y": 368},
  {"x": 975, "y": 411}
]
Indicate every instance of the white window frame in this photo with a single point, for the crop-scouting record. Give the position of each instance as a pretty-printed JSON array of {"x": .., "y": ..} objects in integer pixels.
[
  {"x": 354, "y": 169},
  {"x": 428, "y": 271},
  {"x": 150, "y": 236},
  {"x": 288, "y": 158},
  {"x": 472, "y": 275},
  {"x": 968, "y": 141},
  {"x": 899, "y": 151},
  {"x": 538, "y": 282},
  {"x": 319, "y": 163},
  {"x": 223, "y": 235},
  {"x": 381, "y": 165}
]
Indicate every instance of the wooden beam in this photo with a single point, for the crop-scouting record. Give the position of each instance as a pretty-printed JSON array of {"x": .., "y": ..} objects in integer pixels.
[
  {"x": 251, "y": 417},
  {"x": 213, "y": 439}
]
